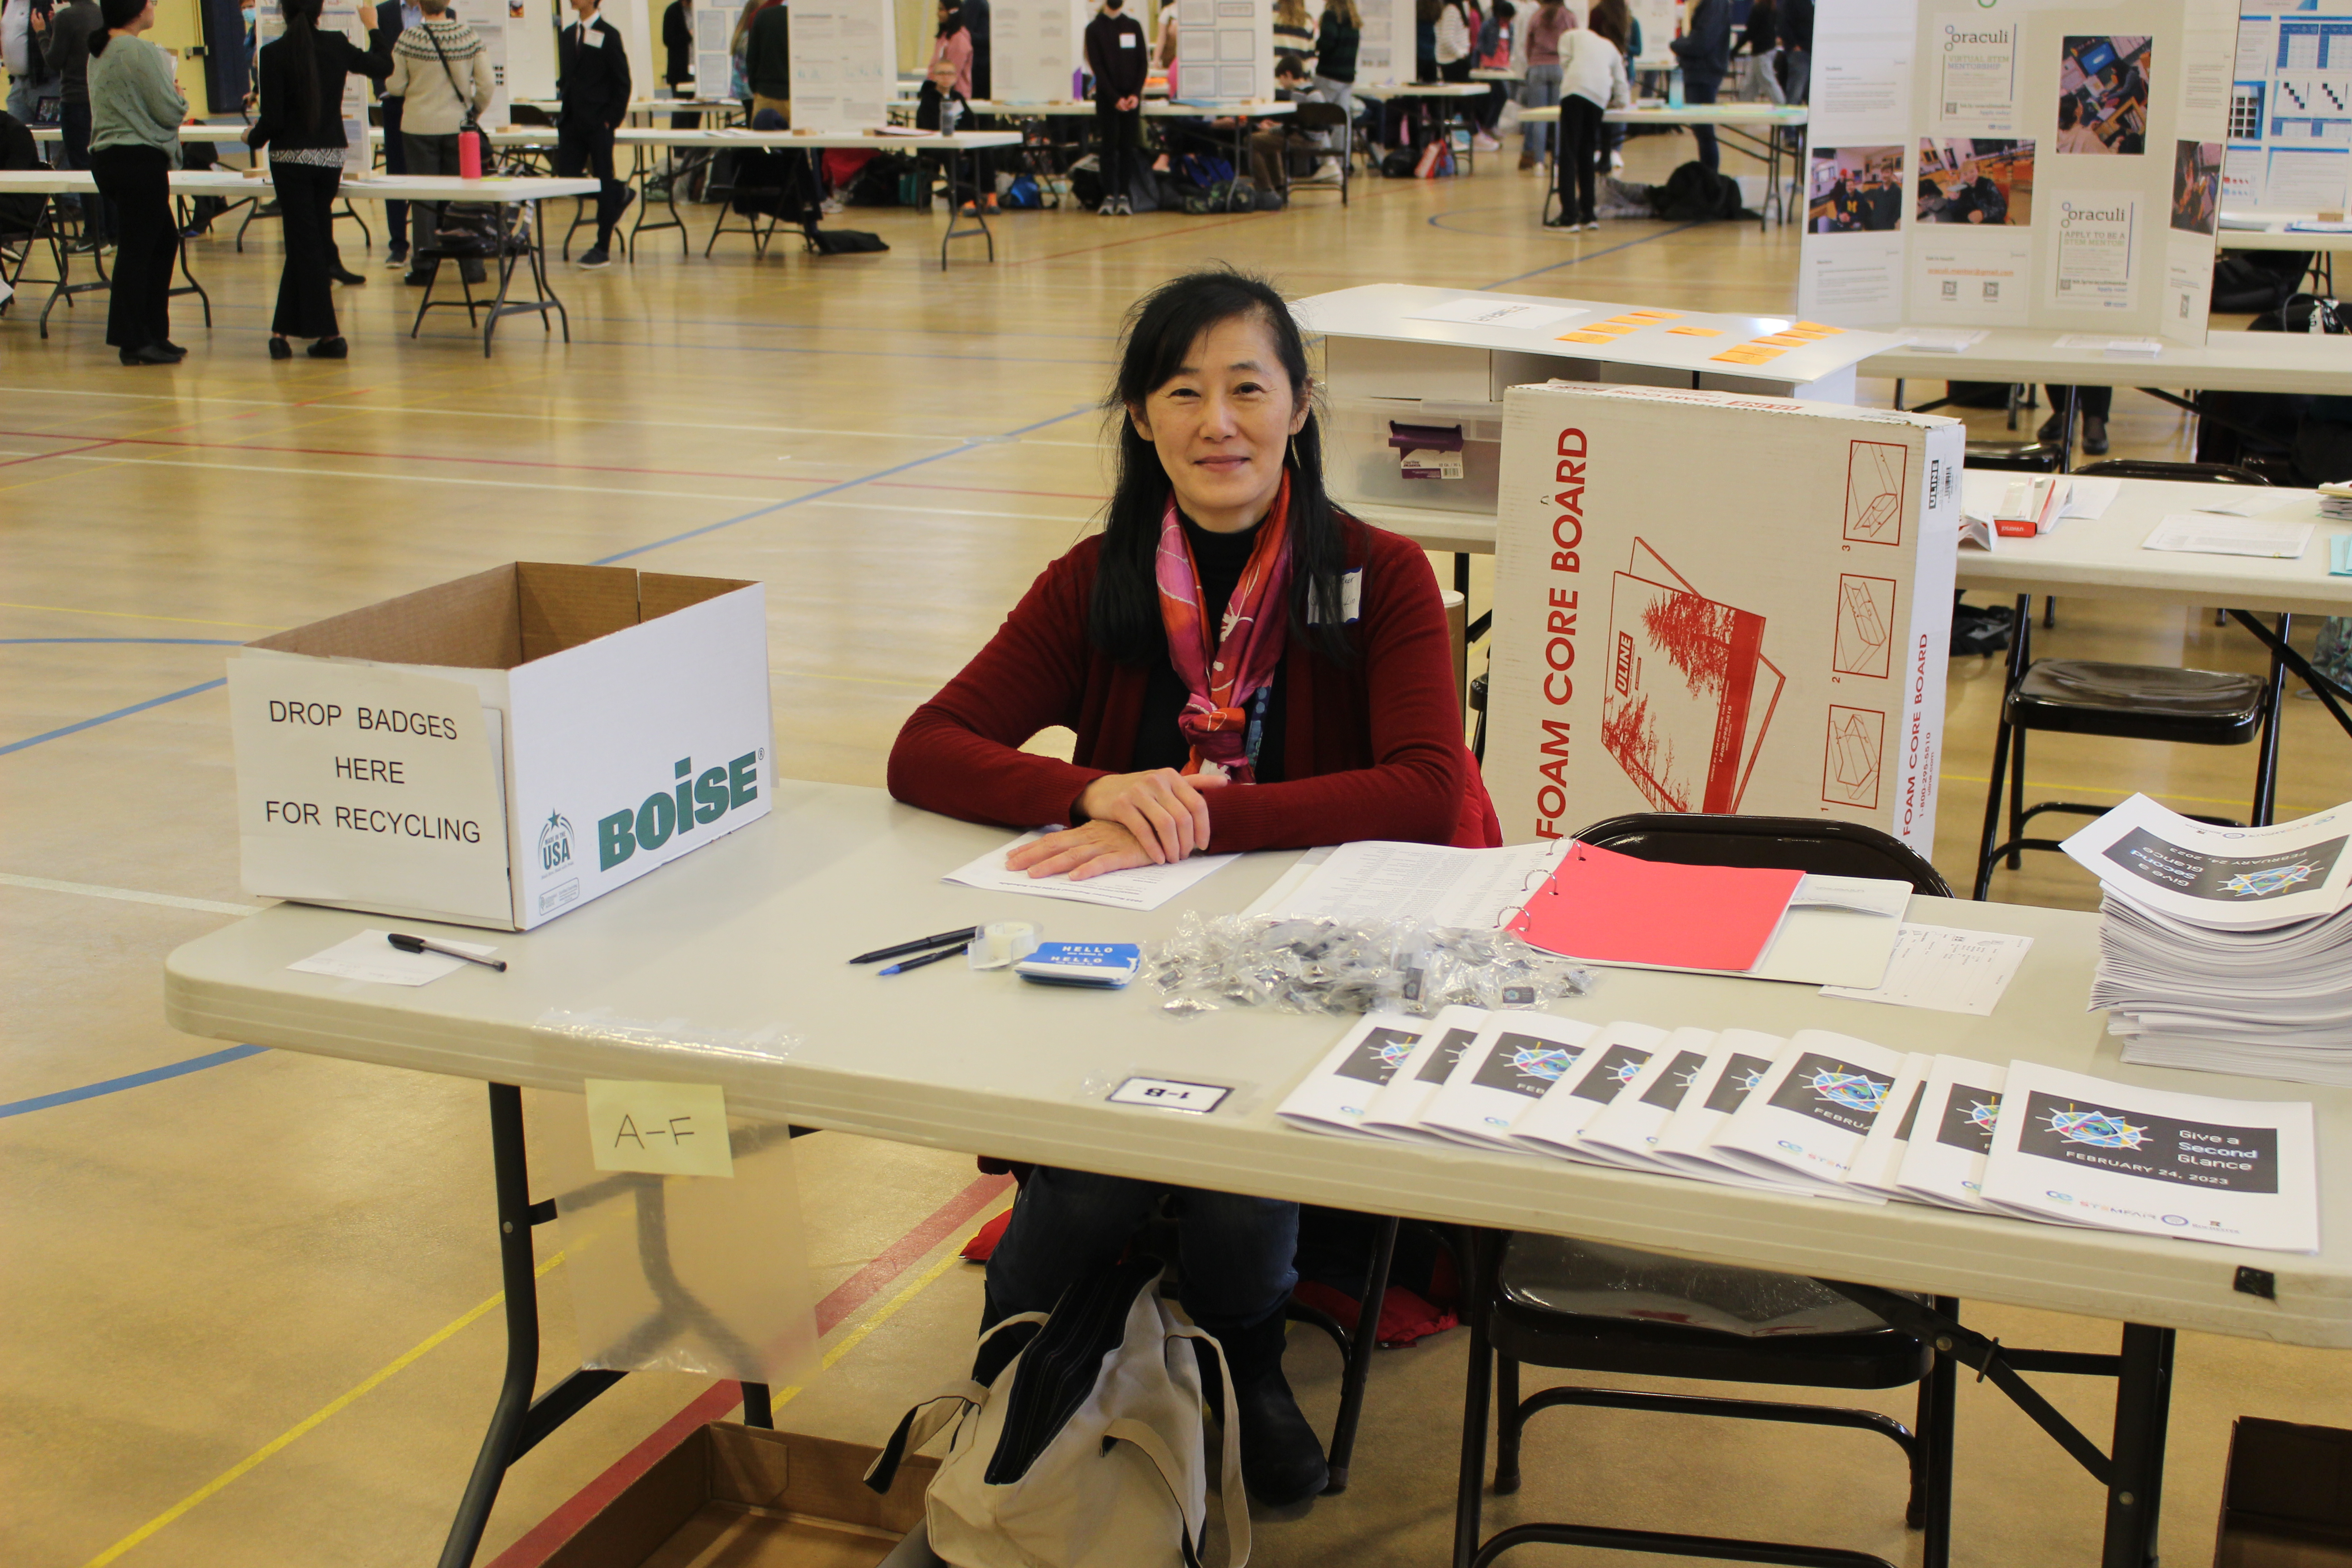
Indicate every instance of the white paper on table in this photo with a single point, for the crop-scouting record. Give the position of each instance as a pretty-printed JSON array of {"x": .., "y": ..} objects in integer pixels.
[
  {"x": 1942, "y": 340},
  {"x": 1959, "y": 1106},
  {"x": 370, "y": 956},
  {"x": 1811, "y": 1112},
  {"x": 1513, "y": 1063},
  {"x": 1334, "y": 1097},
  {"x": 1484, "y": 311},
  {"x": 2086, "y": 1152},
  {"x": 1395, "y": 1110},
  {"x": 2090, "y": 498},
  {"x": 2243, "y": 505},
  {"x": 1556, "y": 1123},
  {"x": 1141, "y": 887},
  {"x": 1944, "y": 970},
  {"x": 2200, "y": 533},
  {"x": 2136, "y": 348},
  {"x": 1879, "y": 1161},
  {"x": 2226, "y": 878},
  {"x": 1475, "y": 889}
]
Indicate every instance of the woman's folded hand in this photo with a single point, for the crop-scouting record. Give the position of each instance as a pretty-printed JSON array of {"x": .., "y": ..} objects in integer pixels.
[
  {"x": 1086, "y": 850},
  {"x": 1162, "y": 810}
]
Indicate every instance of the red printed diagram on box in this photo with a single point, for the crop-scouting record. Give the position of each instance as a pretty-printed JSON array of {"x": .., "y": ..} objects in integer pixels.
[
  {"x": 1874, "y": 493},
  {"x": 1851, "y": 756},
  {"x": 1689, "y": 692}
]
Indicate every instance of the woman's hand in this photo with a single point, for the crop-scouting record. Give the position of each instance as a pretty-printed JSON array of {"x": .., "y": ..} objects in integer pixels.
[
  {"x": 1086, "y": 850},
  {"x": 1162, "y": 810}
]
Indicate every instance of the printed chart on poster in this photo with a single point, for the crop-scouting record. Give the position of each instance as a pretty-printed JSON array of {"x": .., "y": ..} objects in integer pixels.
[
  {"x": 1224, "y": 51},
  {"x": 2018, "y": 163},
  {"x": 1384, "y": 24},
  {"x": 1037, "y": 51},
  {"x": 2290, "y": 131},
  {"x": 845, "y": 65}
]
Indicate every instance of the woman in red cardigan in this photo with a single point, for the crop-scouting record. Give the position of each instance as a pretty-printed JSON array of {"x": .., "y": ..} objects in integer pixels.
[{"x": 1246, "y": 667}]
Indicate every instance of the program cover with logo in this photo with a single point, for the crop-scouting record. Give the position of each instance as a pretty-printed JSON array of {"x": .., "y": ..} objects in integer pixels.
[
  {"x": 1811, "y": 1114},
  {"x": 2086, "y": 1150},
  {"x": 1514, "y": 1062}
]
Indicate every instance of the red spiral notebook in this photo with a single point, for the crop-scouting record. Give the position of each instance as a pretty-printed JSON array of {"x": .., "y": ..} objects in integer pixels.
[{"x": 1614, "y": 908}]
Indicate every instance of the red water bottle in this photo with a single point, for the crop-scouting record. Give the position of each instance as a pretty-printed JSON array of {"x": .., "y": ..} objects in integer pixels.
[{"x": 469, "y": 155}]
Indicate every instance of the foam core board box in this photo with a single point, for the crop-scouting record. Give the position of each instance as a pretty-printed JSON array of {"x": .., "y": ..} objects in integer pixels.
[
  {"x": 748, "y": 1498},
  {"x": 498, "y": 750},
  {"x": 1718, "y": 602}
]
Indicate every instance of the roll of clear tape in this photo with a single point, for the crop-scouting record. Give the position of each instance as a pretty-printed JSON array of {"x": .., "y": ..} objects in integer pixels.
[{"x": 1002, "y": 944}]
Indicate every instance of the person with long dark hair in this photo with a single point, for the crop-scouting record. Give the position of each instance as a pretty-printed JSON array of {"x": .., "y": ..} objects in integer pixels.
[
  {"x": 136, "y": 111},
  {"x": 300, "y": 123},
  {"x": 1246, "y": 667}
]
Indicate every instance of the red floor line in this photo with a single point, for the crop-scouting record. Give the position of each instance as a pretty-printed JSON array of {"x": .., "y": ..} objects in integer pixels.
[
  {"x": 69, "y": 451},
  {"x": 540, "y": 1542}
]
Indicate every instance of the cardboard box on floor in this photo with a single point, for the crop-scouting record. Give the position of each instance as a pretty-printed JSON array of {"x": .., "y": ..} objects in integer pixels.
[
  {"x": 1717, "y": 602},
  {"x": 748, "y": 1497},
  {"x": 499, "y": 749}
]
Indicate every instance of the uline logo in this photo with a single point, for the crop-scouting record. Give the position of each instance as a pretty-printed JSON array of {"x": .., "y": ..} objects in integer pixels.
[
  {"x": 696, "y": 801},
  {"x": 555, "y": 842}
]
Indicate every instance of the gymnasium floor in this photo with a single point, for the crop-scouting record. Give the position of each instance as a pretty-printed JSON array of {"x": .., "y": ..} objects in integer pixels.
[{"x": 250, "y": 1297}]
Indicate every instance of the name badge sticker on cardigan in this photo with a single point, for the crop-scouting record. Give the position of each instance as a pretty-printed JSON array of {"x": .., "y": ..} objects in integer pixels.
[
  {"x": 1351, "y": 600},
  {"x": 592, "y": 37}
]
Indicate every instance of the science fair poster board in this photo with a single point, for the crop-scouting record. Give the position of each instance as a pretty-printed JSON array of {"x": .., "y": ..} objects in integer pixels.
[
  {"x": 2290, "y": 133},
  {"x": 845, "y": 65},
  {"x": 2017, "y": 164},
  {"x": 1224, "y": 51},
  {"x": 1038, "y": 50}
]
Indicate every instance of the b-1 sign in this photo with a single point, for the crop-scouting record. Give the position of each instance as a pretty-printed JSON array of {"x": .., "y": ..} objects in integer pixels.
[
  {"x": 1168, "y": 1094},
  {"x": 659, "y": 1128}
]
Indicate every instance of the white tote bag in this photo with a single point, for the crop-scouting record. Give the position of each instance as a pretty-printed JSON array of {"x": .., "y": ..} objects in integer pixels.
[{"x": 1090, "y": 1449}]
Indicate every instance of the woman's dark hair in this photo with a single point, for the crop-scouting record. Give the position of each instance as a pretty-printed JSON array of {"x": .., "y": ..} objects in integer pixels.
[
  {"x": 302, "y": 46},
  {"x": 950, "y": 17},
  {"x": 114, "y": 14},
  {"x": 1124, "y": 620},
  {"x": 1610, "y": 20}
]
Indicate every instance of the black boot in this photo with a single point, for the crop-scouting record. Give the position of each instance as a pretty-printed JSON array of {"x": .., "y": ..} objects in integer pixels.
[{"x": 1282, "y": 1459}]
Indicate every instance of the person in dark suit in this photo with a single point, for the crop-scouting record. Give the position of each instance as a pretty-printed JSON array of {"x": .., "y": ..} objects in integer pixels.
[
  {"x": 592, "y": 79},
  {"x": 677, "y": 56},
  {"x": 392, "y": 19},
  {"x": 300, "y": 123}
]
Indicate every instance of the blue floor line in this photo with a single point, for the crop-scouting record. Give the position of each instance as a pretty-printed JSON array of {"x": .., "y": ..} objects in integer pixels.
[
  {"x": 175, "y": 642},
  {"x": 108, "y": 718},
  {"x": 846, "y": 485},
  {"x": 1590, "y": 256},
  {"x": 128, "y": 1080}
]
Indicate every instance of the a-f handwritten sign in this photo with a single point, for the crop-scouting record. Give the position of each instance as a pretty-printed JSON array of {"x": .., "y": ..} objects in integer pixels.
[{"x": 661, "y": 1129}]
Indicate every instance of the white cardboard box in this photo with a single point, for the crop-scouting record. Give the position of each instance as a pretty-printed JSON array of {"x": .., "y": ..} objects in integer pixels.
[
  {"x": 1718, "y": 602},
  {"x": 498, "y": 750}
]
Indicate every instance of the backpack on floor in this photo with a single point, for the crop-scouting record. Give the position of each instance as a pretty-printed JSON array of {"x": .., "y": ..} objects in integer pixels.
[
  {"x": 1088, "y": 1449},
  {"x": 1696, "y": 194},
  {"x": 1397, "y": 164}
]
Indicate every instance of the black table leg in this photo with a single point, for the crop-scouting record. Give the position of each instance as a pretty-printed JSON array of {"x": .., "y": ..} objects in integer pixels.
[{"x": 2135, "y": 1490}]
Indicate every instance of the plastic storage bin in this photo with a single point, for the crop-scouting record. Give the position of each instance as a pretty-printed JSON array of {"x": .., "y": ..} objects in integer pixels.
[{"x": 1381, "y": 453}]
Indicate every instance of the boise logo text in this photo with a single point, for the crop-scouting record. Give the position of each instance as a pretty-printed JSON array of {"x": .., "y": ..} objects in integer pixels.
[{"x": 696, "y": 800}]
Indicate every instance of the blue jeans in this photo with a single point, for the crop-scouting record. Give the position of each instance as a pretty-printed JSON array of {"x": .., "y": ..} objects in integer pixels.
[
  {"x": 1541, "y": 91},
  {"x": 1236, "y": 1252}
]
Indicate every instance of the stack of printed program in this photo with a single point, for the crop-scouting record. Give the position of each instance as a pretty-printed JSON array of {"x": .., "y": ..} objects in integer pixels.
[{"x": 2225, "y": 949}]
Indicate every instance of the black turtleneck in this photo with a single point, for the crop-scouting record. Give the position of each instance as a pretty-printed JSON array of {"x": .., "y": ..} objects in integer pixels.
[{"x": 1220, "y": 558}]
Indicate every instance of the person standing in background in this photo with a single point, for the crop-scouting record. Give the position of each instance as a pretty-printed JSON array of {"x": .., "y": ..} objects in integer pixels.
[
  {"x": 71, "y": 27},
  {"x": 1704, "y": 52},
  {"x": 136, "y": 111},
  {"x": 393, "y": 17},
  {"x": 977, "y": 23},
  {"x": 24, "y": 43},
  {"x": 1793, "y": 26},
  {"x": 768, "y": 63},
  {"x": 442, "y": 74},
  {"x": 1425, "y": 39},
  {"x": 591, "y": 81},
  {"x": 1541, "y": 89},
  {"x": 1118, "y": 61},
  {"x": 1758, "y": 46},
  {"x": 1336, "y": 37},
  {"x": 300, "y": 93},
  {"x": 1164, "y": 56},
  {"x": 1592, "y": 80},
  {"x": 1294, "y": 32},
  {"x": 678, "y": 58}
]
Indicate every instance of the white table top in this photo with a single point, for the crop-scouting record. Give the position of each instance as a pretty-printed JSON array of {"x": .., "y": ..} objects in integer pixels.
[
  {"x": 753, "y": 933},
  {"x": 1689, "y": 115},
  {"x": 194, "y": 132},
  {"x": 377, "y": 187},
  {"x": 1425, "y": 90},
  {"x": 2275, "y": 235},
  {"x": 662, "y": 136},
  {"x": 2097, "y": 557},
  {"x": 2230, "y": 361},
  {"x": 1251, "y": 109},
  {"x": 1387, "y": 310}
]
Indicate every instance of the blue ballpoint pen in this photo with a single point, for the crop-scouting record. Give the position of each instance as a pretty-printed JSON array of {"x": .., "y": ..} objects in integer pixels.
[{"x": 907, "y": 963}]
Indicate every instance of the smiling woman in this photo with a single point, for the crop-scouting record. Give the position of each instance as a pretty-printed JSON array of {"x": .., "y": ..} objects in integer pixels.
[{"x": 1246, "y": 667}]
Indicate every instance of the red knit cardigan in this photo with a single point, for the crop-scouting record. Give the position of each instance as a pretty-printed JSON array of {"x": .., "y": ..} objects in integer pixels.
[{"x": 1373, "y": 748}]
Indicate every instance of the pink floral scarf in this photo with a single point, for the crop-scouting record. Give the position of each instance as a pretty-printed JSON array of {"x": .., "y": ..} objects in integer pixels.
[{"x": 1222, "y": 675}]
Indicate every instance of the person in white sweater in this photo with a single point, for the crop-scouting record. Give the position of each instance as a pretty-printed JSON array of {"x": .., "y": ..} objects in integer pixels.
[
  {"x": 441, "y": 73},
  {"x": 1592, "y": 81}
]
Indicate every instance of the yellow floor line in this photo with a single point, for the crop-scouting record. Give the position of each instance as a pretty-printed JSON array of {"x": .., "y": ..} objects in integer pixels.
[
  {"x": 306, "y": 1424},
  {"x": 127, "y": 615},
  {"x": 889, "y": 1309}
]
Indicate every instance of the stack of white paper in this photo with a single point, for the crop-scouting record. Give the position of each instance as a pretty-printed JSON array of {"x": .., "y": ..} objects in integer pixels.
[{"x": 2225, "y": 949}]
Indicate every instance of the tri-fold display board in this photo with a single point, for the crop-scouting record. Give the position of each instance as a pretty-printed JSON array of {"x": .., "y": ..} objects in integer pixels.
[
  {"x": 2017, "y": 164},
  {"x": 2290, "y": 137},
  {"x": 845, "y": 65},
  {"x": 1224, "y": 51}
]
